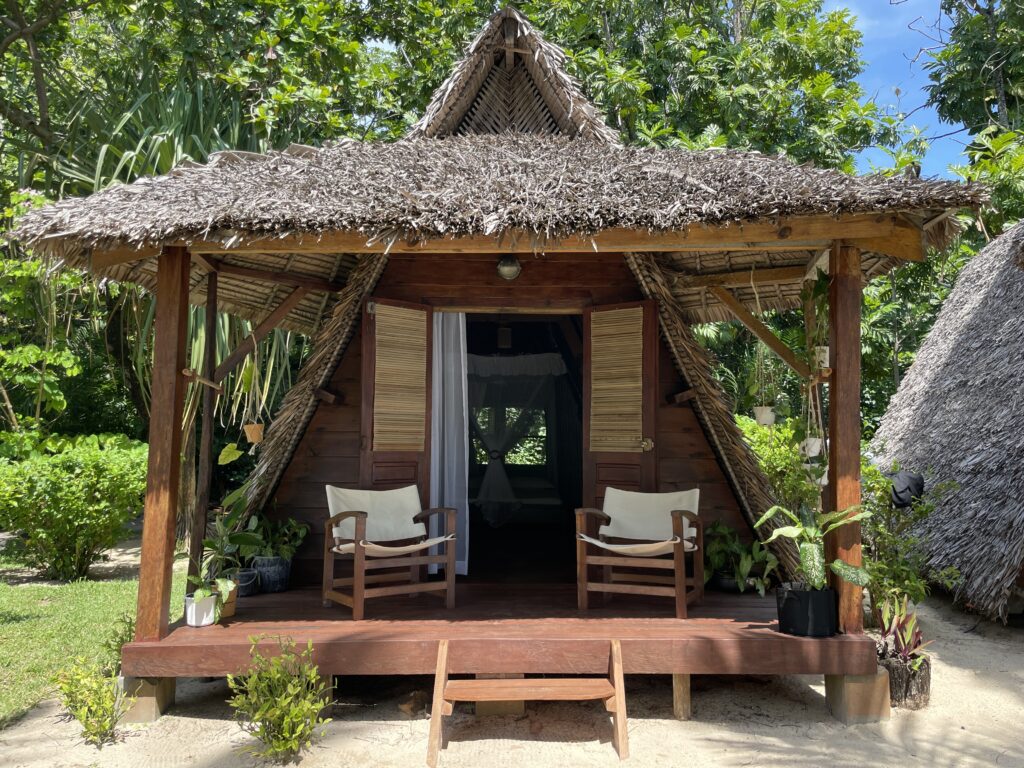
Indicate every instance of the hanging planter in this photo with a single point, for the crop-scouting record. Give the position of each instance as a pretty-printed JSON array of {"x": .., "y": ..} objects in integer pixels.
[
  {"x": 821, "y": 357},
  {"x": 764, "y": 415},
  {"x": 253, "y": 433},
  {"x": 811, "y": 447}
]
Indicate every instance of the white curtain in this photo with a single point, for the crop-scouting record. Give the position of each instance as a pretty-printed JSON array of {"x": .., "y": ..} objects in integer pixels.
[{"x": 449, "y": 440}]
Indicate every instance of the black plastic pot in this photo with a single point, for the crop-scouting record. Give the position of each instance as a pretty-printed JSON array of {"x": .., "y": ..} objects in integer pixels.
[
  {"x": 247, "y": 580},
  {"x": 273, "y": 573},
  {"x": 807, "y": 612}
]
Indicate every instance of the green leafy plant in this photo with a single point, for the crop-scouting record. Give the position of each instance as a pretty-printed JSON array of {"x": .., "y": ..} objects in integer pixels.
[
  {"x": 280, "y": 699},
  {"x": 228, "y": 538},
  {"x": 778, "y": 454},
  {"x": 896, "y": 563},
  {"x": 277, "y": 538},
  {"x": 901, "y": 636},
  {"x": 70, "y": 507},
  {"x": 809, "y": 531},
  {"x": 122, "y": 634},
  {"x": 94, "y": 698},
  {"x": 726, "y": 554}
]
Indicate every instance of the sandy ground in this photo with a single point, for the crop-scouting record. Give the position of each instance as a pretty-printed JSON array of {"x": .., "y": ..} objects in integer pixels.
[{"x": 976, "y": 718}]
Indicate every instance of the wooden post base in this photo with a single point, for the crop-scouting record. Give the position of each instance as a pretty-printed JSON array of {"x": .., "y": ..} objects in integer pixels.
[
  {"x": 487, "y": 708},
  {"x": 153, "y": 697},
  {"x": 682, "y": 706},
  {"x": 858, "y": 699}
]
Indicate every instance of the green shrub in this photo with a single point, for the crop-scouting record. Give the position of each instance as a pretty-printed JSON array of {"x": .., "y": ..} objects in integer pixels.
[
  {"x": 70, "y": 507},
  {"x": 778, "y": 453},
  {"x": 94, "y": 699},
  {"x": 893, "y": 557},
  {"x": 122, "y": 634},
  {"x": 280, "y": 700}
]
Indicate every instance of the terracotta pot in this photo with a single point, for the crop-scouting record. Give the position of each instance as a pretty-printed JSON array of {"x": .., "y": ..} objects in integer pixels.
[
  {"x": 253, "y": 433},
  {"x": 229, "y": 601}
]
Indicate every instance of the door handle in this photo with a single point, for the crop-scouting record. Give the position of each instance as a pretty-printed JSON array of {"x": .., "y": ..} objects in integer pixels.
[{"x": 646, "y": 444}]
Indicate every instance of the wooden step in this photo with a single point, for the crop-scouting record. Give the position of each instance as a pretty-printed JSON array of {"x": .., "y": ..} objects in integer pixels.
[
  {"x": 611, "y": 690},
  {"x": 536, "y": 689}
]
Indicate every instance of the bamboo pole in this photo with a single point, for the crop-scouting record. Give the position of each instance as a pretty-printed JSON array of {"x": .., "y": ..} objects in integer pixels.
[{"x": 197, "y": 529}]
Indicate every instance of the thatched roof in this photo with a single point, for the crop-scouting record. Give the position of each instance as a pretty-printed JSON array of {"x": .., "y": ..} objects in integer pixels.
[
  {"x": 494, "y": 91},
  {"x": 957, "y": 416}
]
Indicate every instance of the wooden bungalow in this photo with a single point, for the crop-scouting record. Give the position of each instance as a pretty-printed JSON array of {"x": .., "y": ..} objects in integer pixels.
[{"x": 511, "y": 167}]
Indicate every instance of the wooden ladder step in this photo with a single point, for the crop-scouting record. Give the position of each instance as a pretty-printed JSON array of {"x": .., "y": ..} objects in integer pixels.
[
  {"x": 611, "y": 690},
  {"x": 539, "y": 689}
]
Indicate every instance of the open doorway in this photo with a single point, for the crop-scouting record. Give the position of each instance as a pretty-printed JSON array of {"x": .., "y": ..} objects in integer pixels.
[{"x": 525, "y": 446}]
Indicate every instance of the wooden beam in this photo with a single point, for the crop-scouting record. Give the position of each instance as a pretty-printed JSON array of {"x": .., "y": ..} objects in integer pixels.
[
  {"x": 845, "y": 425},
  {"x": 164, "y": 470},
  {"x": 259, "y": 333},
  {"x": 795, "y": 232},
  {"x": 905, "y": 242},
  {"x": 740, "y": 279},
  {"x": 329, "y": 397},
  {"x": 763, "y": 332},
  {"x": 205, "y": 470},
  {"x": 682, "y": 397},
  {"x": 284, "y": 278}
]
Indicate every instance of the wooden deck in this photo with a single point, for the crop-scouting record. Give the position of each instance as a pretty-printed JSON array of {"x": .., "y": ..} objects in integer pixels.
[{"x": 505, "y": 629}]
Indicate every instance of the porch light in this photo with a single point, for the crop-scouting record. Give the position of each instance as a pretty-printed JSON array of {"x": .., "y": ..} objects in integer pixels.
[{"x": 509, "y": 267}]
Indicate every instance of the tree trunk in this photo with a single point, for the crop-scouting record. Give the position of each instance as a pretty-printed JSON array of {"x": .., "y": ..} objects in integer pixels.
[{"x": 909, "y": 688}]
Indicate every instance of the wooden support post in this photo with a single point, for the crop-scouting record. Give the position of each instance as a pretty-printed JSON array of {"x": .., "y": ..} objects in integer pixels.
[
  {"x": 198, "y": 527},
  {"x": 858, "y": 699},
  {"x": 152, "y": 697},
  {"x": 844, "y": 425},
  {"x": 164, "y": 472},
  {"x": 682, "y": 706}
]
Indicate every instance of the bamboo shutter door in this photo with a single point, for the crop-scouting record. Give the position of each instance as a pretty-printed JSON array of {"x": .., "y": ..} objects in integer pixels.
[
  {"x": 396, "y": 395},
  {"x": 620, "y": 379}
]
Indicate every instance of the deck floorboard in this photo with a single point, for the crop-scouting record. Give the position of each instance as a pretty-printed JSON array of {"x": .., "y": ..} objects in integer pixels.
[{"x": 506, "y": 629}]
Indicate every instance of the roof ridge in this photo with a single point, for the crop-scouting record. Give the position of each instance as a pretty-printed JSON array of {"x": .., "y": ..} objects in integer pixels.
[{"x": 509, "y": 38}]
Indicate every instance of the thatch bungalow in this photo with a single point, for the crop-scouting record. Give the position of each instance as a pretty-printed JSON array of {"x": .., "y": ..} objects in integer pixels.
[
  {"x": 955, "y": 418},
  {"x": 512, "y": 208}
]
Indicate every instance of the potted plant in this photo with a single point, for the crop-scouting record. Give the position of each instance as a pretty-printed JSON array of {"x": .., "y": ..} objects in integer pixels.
[
  {"x": 223, "y": 547},
  {"x": 272, "y": 558},
  {"x": 901, "y": 652},
  {"x": 732, "y": 566},
  {"x": 821, "y": 356},
  {"x": 203, "y": 605},
  {"x": 764, "y": 383},
  {"x": 808, "y": 608}
]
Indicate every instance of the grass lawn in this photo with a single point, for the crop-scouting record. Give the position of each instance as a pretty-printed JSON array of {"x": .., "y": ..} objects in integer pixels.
[{"x": 42, "y": 626}]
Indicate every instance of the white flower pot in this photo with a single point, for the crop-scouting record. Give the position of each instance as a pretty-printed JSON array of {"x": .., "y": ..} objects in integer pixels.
[
  {"x": 200, "y": 613},
  {"x": 811, "y": 447},
  {"x": 764, "y": 415},
  {"x": 821, "y": 357}
]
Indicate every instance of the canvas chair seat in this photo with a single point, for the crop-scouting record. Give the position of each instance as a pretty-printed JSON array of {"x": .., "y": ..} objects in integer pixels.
[
  {"x": 640, "y": 549},
  {"x": 382, "y": 550}
]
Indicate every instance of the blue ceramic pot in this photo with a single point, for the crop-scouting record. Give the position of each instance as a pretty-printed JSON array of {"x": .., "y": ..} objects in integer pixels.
[{"x": 273, "y": 573}]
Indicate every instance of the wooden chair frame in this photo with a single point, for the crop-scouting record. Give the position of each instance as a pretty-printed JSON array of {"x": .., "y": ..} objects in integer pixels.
[
  {"x": 400, "y": 575},
  {"x": 685, "y": 590}
]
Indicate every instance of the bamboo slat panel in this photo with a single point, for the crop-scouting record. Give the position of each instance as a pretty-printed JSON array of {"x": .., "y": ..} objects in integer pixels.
[
  {"x": 616, "y": 379},
  {"x": 400, "y": 378}
]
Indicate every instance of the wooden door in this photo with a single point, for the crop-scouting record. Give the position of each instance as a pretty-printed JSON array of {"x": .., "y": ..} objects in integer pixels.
[
  {"x": 620, "y": 384},
  {"x": 397, "y": 347}
]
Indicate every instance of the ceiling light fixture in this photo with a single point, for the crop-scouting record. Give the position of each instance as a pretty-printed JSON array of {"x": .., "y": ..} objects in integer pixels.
[{"x": 509, "y": 267}]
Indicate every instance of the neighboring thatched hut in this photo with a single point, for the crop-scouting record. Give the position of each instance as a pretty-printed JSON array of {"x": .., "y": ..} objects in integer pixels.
[{"x": 956, "y": 417}]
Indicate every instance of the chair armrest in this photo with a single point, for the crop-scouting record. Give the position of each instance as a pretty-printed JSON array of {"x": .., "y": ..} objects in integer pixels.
[
  {"x": 587, "y": 512},
  {"x": 450, "y": 515},
  {"x": 693, "y": 518},
  {"x": 422, "y": 517},
  {"x": 360, "y": 517}
]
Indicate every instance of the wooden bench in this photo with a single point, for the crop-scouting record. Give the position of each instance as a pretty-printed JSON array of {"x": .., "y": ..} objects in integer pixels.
[{"x": 610, "y": 690}]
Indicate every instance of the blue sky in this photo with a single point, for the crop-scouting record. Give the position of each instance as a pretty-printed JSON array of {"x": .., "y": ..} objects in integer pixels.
[{"x": 889, "y": 50}]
